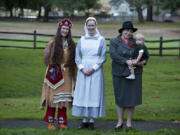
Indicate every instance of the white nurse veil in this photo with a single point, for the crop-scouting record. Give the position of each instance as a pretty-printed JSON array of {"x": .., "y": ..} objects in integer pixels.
[{"x": 86, "y": 30}]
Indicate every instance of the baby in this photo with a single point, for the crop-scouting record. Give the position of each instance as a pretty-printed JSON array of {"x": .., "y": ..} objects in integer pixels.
[{"x": 140, "y": 53}]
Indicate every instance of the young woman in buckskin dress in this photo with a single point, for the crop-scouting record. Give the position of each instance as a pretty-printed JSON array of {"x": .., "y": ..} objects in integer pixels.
[{"x": 57, "y": 91}]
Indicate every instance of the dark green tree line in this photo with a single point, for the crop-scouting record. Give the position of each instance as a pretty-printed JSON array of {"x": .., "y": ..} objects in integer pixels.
[{"x": 67, "y": 6}]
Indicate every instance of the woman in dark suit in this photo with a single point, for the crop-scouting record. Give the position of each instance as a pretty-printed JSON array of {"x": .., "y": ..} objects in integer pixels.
[{"x": 128, "y": 93}]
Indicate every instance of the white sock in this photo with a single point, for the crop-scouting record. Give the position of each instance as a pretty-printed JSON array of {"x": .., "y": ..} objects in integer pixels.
[
  {"x": 85, "y": 120},
  {"x": 91, "y": 120}
]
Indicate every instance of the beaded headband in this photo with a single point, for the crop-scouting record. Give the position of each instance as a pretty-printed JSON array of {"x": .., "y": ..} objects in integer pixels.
[{"x": 65, "y": 22}]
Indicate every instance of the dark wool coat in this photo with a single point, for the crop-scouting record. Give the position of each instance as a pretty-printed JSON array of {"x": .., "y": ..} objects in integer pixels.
[{"x": 128, "y": 93}]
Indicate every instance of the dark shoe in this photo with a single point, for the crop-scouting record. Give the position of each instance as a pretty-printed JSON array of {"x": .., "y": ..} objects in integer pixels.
[
  {"x": 118, "y": 127},
  {"x": 83, "y": 125},
  {"x": 91, "y": 126}
]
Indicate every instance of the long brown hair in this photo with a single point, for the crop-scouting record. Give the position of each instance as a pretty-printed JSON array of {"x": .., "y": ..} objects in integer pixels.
[{"x": 57, "y": 57}]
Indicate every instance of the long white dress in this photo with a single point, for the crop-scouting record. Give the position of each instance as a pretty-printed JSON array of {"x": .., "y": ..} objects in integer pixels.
[{"x": 89, "y": 95}]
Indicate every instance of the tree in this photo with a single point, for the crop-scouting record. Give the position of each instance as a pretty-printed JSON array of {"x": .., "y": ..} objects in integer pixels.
[
  {"x": 9, "y": 4},
  {"x": 38, "y": 4},
  {"x": 137, "y": 3},
  {"x": 140, "y": 5},
  {"x": 35, "y": 5},
  {"x": 1, "y": 4},
  {"x": 149, "y": 4},
  {"x": 47, "y": 8},
  {"x": 139, "y": 8},
  {"x": 173, "y": 5},
  {"x": 68, "y": 6},
  {"x": 91, "y": 4},
  {"x": 21, "y": 4}
]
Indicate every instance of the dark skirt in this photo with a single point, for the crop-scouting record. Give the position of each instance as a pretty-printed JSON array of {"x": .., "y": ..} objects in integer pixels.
[{"x": 128, "y": 93}]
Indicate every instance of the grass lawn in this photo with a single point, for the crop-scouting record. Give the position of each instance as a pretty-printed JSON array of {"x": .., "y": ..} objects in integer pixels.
[
  {"x": 21, "y": 77},
  {"x": 38, "y": 131},
  {"x": 22, "y": 72}
]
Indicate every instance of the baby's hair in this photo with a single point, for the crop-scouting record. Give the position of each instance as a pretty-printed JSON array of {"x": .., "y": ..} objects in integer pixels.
[{"x": 139, "y": 36}]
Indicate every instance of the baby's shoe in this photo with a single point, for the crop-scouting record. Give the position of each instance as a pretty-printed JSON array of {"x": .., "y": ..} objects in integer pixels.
[{"x": 131, "y": 76}]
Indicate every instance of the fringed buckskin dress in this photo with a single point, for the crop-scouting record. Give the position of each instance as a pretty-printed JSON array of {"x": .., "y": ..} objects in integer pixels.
[{"x": 62, "y": 95}]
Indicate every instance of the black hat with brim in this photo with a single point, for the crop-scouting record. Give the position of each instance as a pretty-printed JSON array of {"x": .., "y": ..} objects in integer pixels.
[{"x": 127, "y": 25}]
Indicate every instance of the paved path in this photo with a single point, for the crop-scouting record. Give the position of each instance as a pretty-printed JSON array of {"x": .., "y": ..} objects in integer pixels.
[{"x": 99, "y": 124}]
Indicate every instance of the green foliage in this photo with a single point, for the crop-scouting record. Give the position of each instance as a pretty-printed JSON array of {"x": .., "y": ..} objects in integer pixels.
[
  {"x": 172, "y": 5},
  {"x": 69, "y": 10},
  {"x": 79, "y": 5},
  {"x": 92, "y": 4},
  {"x": 34, "y": 4},
  {"x": 9, "y": 4}
]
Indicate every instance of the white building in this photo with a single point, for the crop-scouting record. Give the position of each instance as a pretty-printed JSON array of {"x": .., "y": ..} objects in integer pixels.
[{"x": 122, "y": 9}]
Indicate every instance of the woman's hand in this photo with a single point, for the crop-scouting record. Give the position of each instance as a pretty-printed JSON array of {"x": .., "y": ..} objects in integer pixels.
[
  {"x": 46, "y": 55},
  {"x": 129, "y": 62},
  {"x": 84, "y": 71},
  {"x": 88, "y": 72},
  {"x": 134, "y": 61}
]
